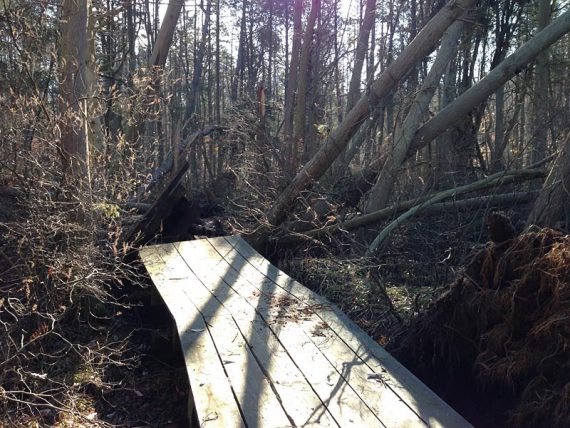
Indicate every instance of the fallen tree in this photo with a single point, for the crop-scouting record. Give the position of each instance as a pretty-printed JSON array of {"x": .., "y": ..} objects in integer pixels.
[
  {"x": 500, "y": 178},
  {"x": 497, "y": 77},
  {"x": 336, "y": 142},
  {"x": 170, "y": 162},
  {"x": 496, "y": 180},
  {"x": 381, "y": 190},
  {"x": 501, "y": 330},
  {"x": 456, "y": 110}
]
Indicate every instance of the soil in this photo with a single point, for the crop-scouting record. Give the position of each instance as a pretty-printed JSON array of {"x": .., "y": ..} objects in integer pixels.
[{"x": 499, "y": 338}]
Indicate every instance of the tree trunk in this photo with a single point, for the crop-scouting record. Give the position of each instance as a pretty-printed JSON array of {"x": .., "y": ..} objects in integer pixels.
[
  {"x": 198, "y": 66},
  {"x": 220, "y": 165},
  {"x": 497, "y": 77},
  {"x": 382, "y": 189},
  {"x": 73, "y": 87},
  {"x": 165, "y": 35},
  {"x": 291, "y": 87},
  {"x": 301, "y": 104},
  {"x": 315, "y": 104},
  {"x": 498, "y": 147},
  {"x": 360, "y": 54},
  {"x": 339, "y": 138},
  {"x": 552, "y": 208},
  {"x": 540, "y": 127},
  {"x": 237, "y": 81},
  {"x": 354, "y": 86}
]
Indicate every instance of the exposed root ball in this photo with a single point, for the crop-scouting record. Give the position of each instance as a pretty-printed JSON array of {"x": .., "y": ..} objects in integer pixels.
[{"x": 505, "y": 322}]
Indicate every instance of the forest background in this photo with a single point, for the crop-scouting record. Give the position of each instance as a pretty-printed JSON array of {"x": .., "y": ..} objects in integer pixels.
[{"x": 360, "y": 144}]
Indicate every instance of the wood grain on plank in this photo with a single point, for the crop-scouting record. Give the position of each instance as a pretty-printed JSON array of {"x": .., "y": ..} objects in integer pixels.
[
  {"x": 432, "y": 409},
  {"x": 210, "y": 388},
  {"x": 298, "y": 397},
  {"x": 340, "y": 399}
]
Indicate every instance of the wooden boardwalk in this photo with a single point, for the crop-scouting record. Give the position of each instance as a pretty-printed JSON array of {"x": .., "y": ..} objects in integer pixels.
[{"x": 262, "y": 350}]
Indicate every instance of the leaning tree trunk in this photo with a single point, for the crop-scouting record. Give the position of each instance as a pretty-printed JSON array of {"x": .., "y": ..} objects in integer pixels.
[
  {"x": 380, "y": 193},
  {"x": 474, "y": 96},
  {"x": 496, "y": 78},
  {"x": 552, "y": 206},
  {"x": 338, "y": 139},
  {"x": 165, "y": 35}
]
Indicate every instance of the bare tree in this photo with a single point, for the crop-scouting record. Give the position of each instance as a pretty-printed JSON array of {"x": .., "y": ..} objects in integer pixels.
[
  {"x": 380, "y": 192},
  {"x": 380, "y": 88},
  {"x": 74, "y": 58}
]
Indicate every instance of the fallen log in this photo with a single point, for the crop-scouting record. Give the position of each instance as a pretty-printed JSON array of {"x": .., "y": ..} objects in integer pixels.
[
  {"x": 500, "y": 178},
  {"x": 164, "y": 205},
  {"x": 289, "y": 237}
]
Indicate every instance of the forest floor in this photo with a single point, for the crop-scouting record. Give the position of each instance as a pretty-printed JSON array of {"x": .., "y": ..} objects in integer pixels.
[{"x": 128, "y": 372}]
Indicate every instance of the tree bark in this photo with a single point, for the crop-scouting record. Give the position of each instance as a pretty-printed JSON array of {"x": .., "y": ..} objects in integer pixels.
[
  {"x": 237, "y": 81},
  {"x": 301, "y": 103},
  {"x": 198, "y": 66},
  {"x": 497, "y": 77},
  {"x": 360, "y": 54},
  {"x": 540, "y": 127},
  {"x": 292, "y": 79},
  {"x": 338, "y": 139},
  {"x": 380, "y": 193},
  {"x": 553, "y": 204},
  {"x": 74, "y": 54},
  {"x": 165, "y": 35}
]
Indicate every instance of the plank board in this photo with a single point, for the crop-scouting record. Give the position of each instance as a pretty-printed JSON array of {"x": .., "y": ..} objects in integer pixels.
[
  {"x": 432, "y": 409},
  {"x": 343, "y": 404},
  {"x": 263, "y": 350},
  {"x": 210, "y": 387},
  {"x": 300, "y": 328}
]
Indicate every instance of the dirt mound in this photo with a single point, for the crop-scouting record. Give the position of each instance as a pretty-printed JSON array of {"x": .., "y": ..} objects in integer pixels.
[{"x": 503, "y": 328}]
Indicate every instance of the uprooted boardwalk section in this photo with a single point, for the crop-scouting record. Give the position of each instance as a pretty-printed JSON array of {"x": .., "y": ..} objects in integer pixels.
[{"x": 262, "y": 350}]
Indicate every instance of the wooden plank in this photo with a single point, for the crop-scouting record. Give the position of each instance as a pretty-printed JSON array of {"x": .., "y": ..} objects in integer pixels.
[
  {"x": 298, "y": 397},
  {"x": 342, "y": 402},
  {"x": 211, "y": 392},
  {"x": 302, "y": 337},
  {"x": 353, "y": 389},
  {"x": 425, "y": 403},
  {"x": 259, "y": 404}
]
